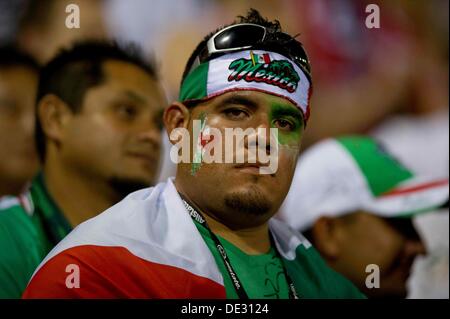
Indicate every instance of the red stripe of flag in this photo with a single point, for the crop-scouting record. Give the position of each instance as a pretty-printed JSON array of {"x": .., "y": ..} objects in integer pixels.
[
  {"x": 114, "y": 272},
  {"x": 412, "y": 189}
]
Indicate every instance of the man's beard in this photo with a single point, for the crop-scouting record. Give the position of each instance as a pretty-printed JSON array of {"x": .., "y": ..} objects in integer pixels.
[
  {"x": 125, "y": 186},
  {"x": 250, "y": 202}
]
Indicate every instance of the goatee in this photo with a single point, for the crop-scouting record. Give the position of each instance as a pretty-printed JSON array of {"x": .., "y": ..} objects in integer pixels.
[{"x": 249, "y": 202}]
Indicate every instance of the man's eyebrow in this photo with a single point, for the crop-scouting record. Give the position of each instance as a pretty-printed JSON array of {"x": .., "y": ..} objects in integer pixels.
[
  {"x": 284, "y": 109},
  {"x": 240, "y": 100},
  {"x": 134, "y": 96}
]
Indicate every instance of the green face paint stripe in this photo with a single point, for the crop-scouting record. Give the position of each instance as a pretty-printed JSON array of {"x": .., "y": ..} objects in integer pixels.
[
  {"x": 195, "y": 84},
  {"x": 381, "y": 171},
  {"x": 286, "y": 139},
  {"x": 278, "y": 111},
  {"x": 194, "y": 168},
  {"x": 198, "y": 155}
]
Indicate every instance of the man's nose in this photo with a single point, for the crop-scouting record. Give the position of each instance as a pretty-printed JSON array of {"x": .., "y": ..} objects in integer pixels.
[
  {"x": 415, "y": 247},
  {"x": 28, "y": 122},
  {"x": 150, "y": 134},
  {"x": 261, "y": 138}
]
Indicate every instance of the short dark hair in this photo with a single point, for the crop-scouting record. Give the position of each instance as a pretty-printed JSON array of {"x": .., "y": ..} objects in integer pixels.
[
  {"x": 271, "y": 42},
  {"x": 11, "y": 56},
  {"x": 75, "y": 70}
]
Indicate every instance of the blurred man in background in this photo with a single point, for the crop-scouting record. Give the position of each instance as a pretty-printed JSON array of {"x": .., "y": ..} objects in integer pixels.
[
  {"x": 354, "y": 202},
  {"x": 98, "y": 132},
  {"x": 18, "y": 84}
]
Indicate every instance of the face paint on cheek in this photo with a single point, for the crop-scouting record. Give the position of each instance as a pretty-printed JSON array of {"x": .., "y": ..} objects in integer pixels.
[
  {"x": 291, "y": 155},
  {"x": 199, "y": 131},
  {"x": 287, "y": 138},
  {"x": 291, "y": 149},
  {"x": 284, "y": 154}
]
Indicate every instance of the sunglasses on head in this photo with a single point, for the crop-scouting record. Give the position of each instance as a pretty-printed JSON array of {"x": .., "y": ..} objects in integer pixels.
[{"x": 243, "y": 36}]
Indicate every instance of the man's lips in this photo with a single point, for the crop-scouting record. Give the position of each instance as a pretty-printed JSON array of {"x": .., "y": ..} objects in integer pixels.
[
  {"x": 141, "y": 155},
  {"x": 249, "y": 167},
  {"x": 401, "y": 267}
]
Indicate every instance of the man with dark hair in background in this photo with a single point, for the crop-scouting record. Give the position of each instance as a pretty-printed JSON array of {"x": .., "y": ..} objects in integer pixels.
[
  {"x": 208, "y": 233},
  {"x": 18, "y": 84},
  {"x": 98, "y": 133}
]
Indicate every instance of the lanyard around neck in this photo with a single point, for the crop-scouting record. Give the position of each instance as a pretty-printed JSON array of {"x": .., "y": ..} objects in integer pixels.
[{"x": 239, "y": 288}]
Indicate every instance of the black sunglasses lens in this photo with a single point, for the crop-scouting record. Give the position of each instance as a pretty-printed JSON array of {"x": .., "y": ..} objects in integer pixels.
[
  {"x": 241, "y": 36},
  {"x": 296, "y": 51},
  {"x": 299, "y": 55}
]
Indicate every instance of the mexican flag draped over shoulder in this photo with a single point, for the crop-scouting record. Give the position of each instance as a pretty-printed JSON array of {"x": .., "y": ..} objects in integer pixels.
[{"x": 147, "y": 246}]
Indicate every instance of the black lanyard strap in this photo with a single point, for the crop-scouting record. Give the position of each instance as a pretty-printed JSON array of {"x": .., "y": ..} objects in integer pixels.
[
  {"x": 292, "y": 291},
  {"x": 198, "y": 217}
]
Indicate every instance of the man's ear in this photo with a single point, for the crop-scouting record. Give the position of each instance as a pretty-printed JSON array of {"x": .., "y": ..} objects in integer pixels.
[
  {"x": 53, "y": 114},
  {"x": 176, "y": 116},
  {"x": 326, "y": 234}
]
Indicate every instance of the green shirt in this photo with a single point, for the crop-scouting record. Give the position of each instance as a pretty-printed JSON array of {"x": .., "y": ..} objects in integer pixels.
[
  {"x": 262, "y": 276},
  {"x": 30, "y": 226}
]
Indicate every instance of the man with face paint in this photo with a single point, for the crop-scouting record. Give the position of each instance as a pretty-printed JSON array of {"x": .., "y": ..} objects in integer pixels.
[{"x": 208, "y": 233}]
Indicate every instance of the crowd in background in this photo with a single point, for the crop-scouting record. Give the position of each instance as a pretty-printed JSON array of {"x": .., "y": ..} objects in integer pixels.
[{"x": 390, "y": 82}]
